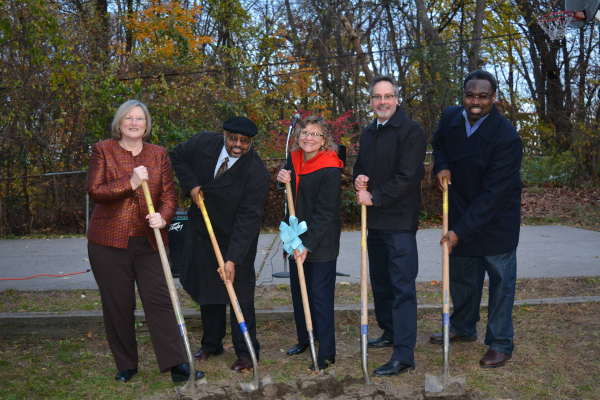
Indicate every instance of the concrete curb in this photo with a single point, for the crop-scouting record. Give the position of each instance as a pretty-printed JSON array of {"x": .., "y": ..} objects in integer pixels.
[{"x": 75, "y": 323}]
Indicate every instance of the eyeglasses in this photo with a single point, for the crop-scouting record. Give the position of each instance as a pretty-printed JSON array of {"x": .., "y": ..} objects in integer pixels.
[
  {"x": 387, "y": 97},
  {"x": 314, "y": 135},
  {"x": 471, "y": 97},
  {"x": 234, "y": 139},
  {"x": 136, "y": 119}
]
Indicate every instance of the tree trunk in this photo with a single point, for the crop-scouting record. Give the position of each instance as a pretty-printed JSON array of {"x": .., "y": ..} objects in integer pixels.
[
  {"x": 474, "y": 61},
  {"x": 356, "y": 43}
]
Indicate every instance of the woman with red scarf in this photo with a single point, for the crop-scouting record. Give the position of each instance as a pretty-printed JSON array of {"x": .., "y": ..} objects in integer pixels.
[{"x": 315, "y": 174}]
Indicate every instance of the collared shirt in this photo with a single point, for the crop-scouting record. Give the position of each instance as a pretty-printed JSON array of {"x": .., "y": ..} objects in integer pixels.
[
  {"x": 381, "y": 124},
  {"x": 472, "y": 128},
  {"x": 222, "y": 156}
]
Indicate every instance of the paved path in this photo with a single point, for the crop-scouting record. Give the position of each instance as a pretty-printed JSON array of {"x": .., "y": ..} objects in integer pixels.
[{"x": 544, "y": 251}]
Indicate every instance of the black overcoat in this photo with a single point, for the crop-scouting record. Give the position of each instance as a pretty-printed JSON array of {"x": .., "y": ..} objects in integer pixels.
[
  {"x": 485, "y": 194},
  {"x": 318, "y": 204},
  {"x": 235, "y": 202},
  {"x": 392, "y": 157}
]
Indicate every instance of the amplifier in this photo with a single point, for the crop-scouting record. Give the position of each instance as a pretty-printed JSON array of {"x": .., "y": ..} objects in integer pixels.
[{"x": 177, "y": 231}]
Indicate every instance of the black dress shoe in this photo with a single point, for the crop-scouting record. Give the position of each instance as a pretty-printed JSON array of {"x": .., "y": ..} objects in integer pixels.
[
  {"x": 181, "y": 373},
  {"x": 380, "y": 343},
  {"x": 438, "y": 338},
  {"x": 297, "y": 349},
  {"x": 203, "y": 354},
  {"x": 323, "y": 362},
  {"x": 126, "y": 374},
  {"x": 393, "y": 367}
]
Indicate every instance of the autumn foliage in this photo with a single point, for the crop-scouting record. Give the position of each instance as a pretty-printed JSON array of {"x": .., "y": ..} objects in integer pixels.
[{"x": 65, "y": 67}]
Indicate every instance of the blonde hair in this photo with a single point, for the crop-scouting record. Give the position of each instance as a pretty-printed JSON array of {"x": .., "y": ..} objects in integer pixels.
[
  {"x": 315, "y": 120},
  {"x": 122, "y": 112}
]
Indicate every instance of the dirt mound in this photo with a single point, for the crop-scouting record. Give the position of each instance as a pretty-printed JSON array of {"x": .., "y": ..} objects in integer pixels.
[{"x": 316, "y": 387}]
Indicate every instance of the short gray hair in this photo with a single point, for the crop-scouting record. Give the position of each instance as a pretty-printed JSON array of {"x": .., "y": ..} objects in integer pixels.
[
  {"x": 315, "y": 120},
  {"x": 122, "y": 112},
  {"x": 384, "y": 78}
]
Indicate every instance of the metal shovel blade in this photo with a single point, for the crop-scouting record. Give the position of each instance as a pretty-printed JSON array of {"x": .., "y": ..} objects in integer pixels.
[
  {"x": 255, "y": 383},
  {"x": 364, "y": 359},
  {"x": 188, "y": 390},
  {"x": 313, "y": 352},
  {"x": 437, "y": 384}
]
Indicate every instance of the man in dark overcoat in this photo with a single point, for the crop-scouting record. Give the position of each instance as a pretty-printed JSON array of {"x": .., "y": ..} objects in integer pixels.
[
  {"x": 479, "y": 152},
  {"x": 388, "y": 173},
  {"x": 234, "y": 182}
]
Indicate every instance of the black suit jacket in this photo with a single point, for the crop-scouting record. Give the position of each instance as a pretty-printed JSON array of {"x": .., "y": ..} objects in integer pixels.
[
  {"x": 235, "y": 202},
  {"x": 485, "y": 194}
]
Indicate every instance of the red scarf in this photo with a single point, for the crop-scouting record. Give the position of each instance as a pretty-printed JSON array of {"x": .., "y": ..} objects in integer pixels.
[{"x": 323, "y": 159}]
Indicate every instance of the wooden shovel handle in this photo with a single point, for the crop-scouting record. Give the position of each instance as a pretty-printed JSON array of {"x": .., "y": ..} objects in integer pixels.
[
  {"x": 445, "y": 252},
  {"x": 364, "y": 318},
  {"x": 290, "y": 199},
  {"x": 301, "y": 278},
  {"x": 228, "y": 285}
]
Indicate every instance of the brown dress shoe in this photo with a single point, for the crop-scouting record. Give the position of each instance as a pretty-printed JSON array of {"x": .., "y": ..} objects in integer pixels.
[
  {"x": 438, "y": 338},
  {"x": 242, "y": 364},
  {"x": 203, "y": 354},
  {"x": 494, "y": 359}
]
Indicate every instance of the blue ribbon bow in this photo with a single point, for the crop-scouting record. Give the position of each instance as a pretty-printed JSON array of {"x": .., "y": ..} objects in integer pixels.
[{"x": 289, "y": 235}]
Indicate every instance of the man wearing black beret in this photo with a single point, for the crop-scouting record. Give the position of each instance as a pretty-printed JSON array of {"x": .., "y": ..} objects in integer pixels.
[{"x": 234, "y": 184}]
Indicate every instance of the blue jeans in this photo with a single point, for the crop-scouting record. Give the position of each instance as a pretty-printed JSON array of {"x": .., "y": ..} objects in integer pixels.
[
  {"x": 466, "y": 285},
  {"x": 393, "y": 268}
]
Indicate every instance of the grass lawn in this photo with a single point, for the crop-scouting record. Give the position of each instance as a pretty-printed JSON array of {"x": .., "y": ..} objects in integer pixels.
[
  {"x": 557, "y": 353},
  {"x": 270, "y": 296},
  {"x": 557, "y": 356}
]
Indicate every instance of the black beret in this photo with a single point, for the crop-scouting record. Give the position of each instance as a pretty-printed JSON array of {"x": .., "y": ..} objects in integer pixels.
[{"x": 241, "y": 125}]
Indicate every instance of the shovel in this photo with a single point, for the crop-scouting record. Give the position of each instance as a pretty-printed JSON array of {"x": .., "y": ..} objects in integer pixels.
[
  {"x": 364, "y": 311},
  {"x": 190, "y": 385},
  {"x": 307, "y": 316},
  {"x": 434, "y": 383},
  {"x": 255, "y": 383}
]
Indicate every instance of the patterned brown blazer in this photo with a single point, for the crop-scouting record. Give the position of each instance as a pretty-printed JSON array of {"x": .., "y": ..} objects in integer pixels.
[{"x": 108, "y": 186}]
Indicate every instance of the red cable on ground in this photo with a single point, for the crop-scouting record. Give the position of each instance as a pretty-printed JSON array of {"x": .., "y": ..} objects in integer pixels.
[{"x": 35, "y": 276}]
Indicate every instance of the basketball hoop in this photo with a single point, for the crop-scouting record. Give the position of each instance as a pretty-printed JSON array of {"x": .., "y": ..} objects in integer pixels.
[{"x": 555, "y": 24}]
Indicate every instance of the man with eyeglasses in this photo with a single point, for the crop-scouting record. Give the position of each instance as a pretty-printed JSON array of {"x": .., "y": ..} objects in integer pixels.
[
  {"x": 234, "y": 183},
  {"x": 387, "y": 176},
  {"x": 479, "y": 152}
]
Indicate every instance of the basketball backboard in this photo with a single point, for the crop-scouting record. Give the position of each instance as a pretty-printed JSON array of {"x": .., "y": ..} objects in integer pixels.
[{"x": 589, "y": 7}]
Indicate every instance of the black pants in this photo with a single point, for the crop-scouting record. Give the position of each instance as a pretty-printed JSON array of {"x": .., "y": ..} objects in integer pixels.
[
  {"x": 214, "y": 325},
  {"x": 320, "y": 288},
  {"x": 117, "y": 271},
  {"x": 393, "y": 267}
]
